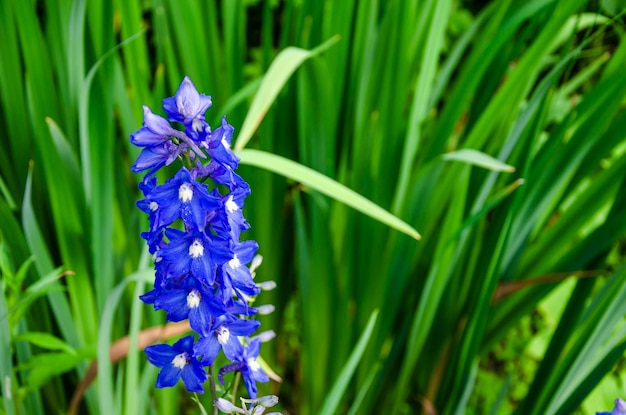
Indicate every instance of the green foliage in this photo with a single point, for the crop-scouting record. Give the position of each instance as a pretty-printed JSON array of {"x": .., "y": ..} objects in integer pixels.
[{"x": 498, "y": 134}]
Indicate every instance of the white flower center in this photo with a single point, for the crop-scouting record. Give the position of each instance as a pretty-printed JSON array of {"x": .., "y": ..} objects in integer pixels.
[
  {"x": 197, "y": 125},
  {"x": 180, "y": 360},
  {"x": 185, "y": 192},
  {"x": 196, "y": 249},
  {"x": 193, "y": 299},
  {"x": 234, "y": 263},
  {"x": 231, "y": 206},
  {"x": 253, "y": 365},
  {"x": 223, "y": 334},
  {"x": 153, "y": 206}
]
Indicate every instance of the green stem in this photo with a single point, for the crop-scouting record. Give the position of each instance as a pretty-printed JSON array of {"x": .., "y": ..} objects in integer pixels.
[
  {"x": 235, "y": 387},
  {"x": 213, "y": 391}
]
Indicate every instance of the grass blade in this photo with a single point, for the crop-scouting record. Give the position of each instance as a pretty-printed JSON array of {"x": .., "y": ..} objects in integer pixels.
[
  {"x": 334, "y": 396},
  {"x": 324, "y": 185},
  {"x": 277, "y": 75}
]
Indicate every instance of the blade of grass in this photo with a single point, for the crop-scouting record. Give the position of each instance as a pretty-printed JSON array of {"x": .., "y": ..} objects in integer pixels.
[
  {"x": 478, "y": 158},
  {"x": 107, "y": 400},
  {"x": 423, "y": 90},
  {"x": 324, "y": 185},
  {"x": 331, "y": 403},
  {"x": 277, "y": 75},
  {"x": 44, "y": 266}
]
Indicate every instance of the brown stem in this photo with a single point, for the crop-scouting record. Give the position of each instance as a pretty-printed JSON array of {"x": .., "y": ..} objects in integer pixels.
[{"x": 504, "y": 289}]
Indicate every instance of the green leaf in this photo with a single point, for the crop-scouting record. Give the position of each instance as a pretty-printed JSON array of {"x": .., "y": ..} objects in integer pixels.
[
  {"x": 478, "y": 158},
  {"x": 44, "y": 366},
  {"x": 45, "y": 341},
  {"x": 334, "y": 396},
  {"x": 43, "y": 286},
  {"x": 325, "y": 185},
  {"x": 4, "y": 191},
  {"x": 277, "y": 75},
  {"x": 105, "y": 368}
]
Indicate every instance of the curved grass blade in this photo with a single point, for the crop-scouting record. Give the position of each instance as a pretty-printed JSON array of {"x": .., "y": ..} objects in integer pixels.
[
  {"x": 105, "y": 384},
  {"x": 478, "y": 158},
  {"x": 334, "y": 396},
  {"x": 324, "y": 185},
  {"x": 277, "y": 75},
  {"x": 43, "y": 263}
]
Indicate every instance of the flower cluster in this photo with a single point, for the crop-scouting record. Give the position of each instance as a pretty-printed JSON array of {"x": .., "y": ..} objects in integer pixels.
[{"x": 201, "y": 271}]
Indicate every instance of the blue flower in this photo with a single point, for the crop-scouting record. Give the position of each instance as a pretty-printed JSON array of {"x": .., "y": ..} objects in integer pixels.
[
  {"x": 219, "y": 145},
  {"x": 235, "y": 274},
  {"x": 619, "y": 409},
  {"x": 221, "y": 174},
  {"x": 233, "y": 202},
  {"x": 156, "y": 130},
  {"x": 162, "y": 143},
  {"x": 248, "y": 366},
  {"x": 222, "y": 334},
  {"x": 190, "y": 301},
  {"x": 192, "y": 253},
  {"x": 155, "y": 157},
  {"x": 201, "y": 266},
  {"x": 187, "y": 106},
  {"x": 177, "y": 362},
  {"x": 180, "y": 197}
]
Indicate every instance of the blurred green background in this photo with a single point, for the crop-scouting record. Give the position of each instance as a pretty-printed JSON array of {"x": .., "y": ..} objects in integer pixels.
[{"x": 496, "y": 129}]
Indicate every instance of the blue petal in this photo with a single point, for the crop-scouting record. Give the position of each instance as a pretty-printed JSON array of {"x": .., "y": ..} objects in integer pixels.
[
  {"x": 151, "y": 157},
  {"x": 203, "y": 267},
  {"x": 253, "y": 348},
  {"x": 233, "y": 348},
  {"x": 168, "y": 376},
  {"x": 150, "y": 297},
  {"x": 245, "y": 251},
  {"x": 207, "y": 347},
  {"x": 194, "y": 376},
  {"x": 241, "y": 279},
  {"x": 145, "y": 137},
  {"x": 229, "y": 368},
  {"x": 250, "y": 384},
  {"x": 158, "y": 124},
  {"x": 185, "y": 344},
  {"x": 160, "y": 355},
  {"x": 174, "y": 302},
  {"x": 187, "y": 104},
  {"x": 244, "y": 328},
  {"x": 200, "y": 317}
]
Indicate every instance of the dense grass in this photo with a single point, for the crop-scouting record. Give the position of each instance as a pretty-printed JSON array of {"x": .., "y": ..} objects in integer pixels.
[{"x": 499, "y": 136}]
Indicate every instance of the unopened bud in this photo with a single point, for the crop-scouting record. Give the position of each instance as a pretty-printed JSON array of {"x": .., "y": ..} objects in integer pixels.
[
  {"x": 265, "y": 337},
  {"x": 256, "y": 262},
  {"x": 227, "y": 407},
  {"x": 266, "y": 309},
  {"x": 267, "y": 285},
  {"x": 267, "y": 401}
]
